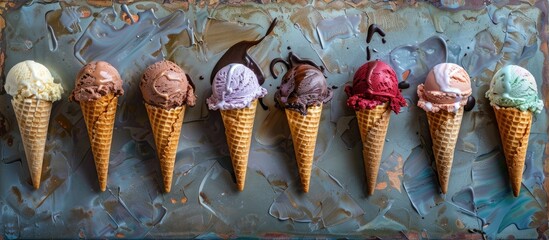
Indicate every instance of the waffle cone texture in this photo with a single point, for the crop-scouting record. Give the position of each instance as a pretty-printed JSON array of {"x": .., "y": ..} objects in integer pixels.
[
  {"x": 304, "y": 130},
  {"x": 33, "y": 118},
  {"x": 373, "y": 124},
  {"x": 444, "y": 127},
  {"x": 514, "y": 129},
  {"x": 239, "y": 124},
  {"x": 166, "y": 127},
  {"x": 99, "y": 116}
]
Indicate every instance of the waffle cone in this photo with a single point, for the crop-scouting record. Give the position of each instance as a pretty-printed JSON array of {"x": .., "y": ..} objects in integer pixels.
[
  {"x": 304, "y": 131},
  {"x": 514, "y": 129},
  {"x": 33, "y": 117},
  {"x": 99, "y": 116},
  {"x": 166, "y": 126},
  {"x": 239, "y": 124},
  {"x": 444, "y": 127},
  {"x": 373, "y": 125}
]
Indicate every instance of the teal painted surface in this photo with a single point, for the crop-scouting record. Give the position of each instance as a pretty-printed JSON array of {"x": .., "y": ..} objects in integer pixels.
[{"x": 204, "y": 201}]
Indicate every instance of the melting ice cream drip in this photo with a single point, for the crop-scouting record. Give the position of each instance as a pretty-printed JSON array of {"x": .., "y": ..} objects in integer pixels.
[
  {"x": 32, "y": 69},
  {"x": 238, "y": 53},
  {"x": 443, "y": 73}
]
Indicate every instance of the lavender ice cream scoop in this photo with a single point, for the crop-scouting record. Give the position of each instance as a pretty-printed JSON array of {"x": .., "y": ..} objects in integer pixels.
[{"x": 234, "y": 87}]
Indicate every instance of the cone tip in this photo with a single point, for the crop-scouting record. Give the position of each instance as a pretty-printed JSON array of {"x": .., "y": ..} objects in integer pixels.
[
  {"x": 443, "y": 183},
  {"x": 516, "y": 184},
  {"x": 306, "y": 188},
  {"x": 371, "y": 185},
  {"x": 444, "y": 188},
  {"x": 240, "y": 187},
  {"x": 167, "y": 189},
  {"x": 102, "y": 186},
  {"x": 35, "y": 178},
  {"x": 516, "y": 191}
]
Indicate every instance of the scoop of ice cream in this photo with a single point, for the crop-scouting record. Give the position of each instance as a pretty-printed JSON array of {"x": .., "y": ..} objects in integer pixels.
[
  {"x": 95, "y": 80},
  {"x": 165, "y": 85},
  {"x": 514, "y": 86},
  {"x": 374, "y": 83},
  {"x": 29, "y": 79},
  {"x": 446, "y": 87},
  {"x": 303, "y": 86},
  {"x": 235, "y": 86}
]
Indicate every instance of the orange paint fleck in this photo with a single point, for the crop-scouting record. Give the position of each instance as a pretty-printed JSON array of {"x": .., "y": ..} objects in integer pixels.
[
  {"x": 460, "y": 224},
  {"x": 173, "y": 200},
  {"x": 64, "y": 122},
  {"x": 413, "y": 235},
  {"x": 395, "y": 175},
  {"x": 119, "y": 235},
  {"x": 127, "y": 19},
  {"x": 184, "y": 200},
  {"x": 381, "y": 185},
  {"x": 100, "y": 3},
  {"x": 85, "y": 12},
  {"x": 81, "y": 234},
  {"x": 405, "y": 75},
  {"x": 275, "y": 235}
]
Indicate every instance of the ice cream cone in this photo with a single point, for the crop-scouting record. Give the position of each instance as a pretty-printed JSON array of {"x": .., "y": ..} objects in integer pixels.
[
  {"x": 373, "y": 125},
  {"x": 99, "y": 116},
  {"x": 444, "y": 127},
  {"x": 33, "y": 117},
  {"x": 166, "y": 126},
  {"x": 514, "y": 129},
  {"x": 304, "y": 131},
  {"x": 239, "y": 124}
]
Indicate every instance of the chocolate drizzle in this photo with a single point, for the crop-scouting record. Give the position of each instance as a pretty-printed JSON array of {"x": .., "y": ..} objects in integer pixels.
[
  {"x": 293, "y": 61},
  {"x": 238, "y": 53},
  {"x": 403, "y": 85},
  {"x": 470, "y": 104},
  {"x": 190, "y": 80},
  {"x": 126, "y": 10},
  {"x": 263, "y": 104},
  {"x": 373, "y": 29}
]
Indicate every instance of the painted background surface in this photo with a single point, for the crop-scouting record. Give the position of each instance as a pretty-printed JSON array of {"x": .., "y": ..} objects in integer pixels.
[{"x": 481, "y": 37}]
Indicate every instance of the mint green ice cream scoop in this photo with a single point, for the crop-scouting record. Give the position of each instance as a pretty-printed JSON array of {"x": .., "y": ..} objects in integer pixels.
[{"x": 514, "y": 86}]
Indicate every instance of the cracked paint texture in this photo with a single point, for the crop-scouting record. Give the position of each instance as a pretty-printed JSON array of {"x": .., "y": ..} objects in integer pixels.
[{"x": 204, "y": 202}]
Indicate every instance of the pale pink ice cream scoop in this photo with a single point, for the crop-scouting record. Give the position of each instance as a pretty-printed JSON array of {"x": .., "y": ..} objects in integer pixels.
[{"x": 446, "y": 87}]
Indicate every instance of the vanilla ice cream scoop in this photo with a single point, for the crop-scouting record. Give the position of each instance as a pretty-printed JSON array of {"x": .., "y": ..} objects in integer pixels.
[{"x": 29, "y": 79}]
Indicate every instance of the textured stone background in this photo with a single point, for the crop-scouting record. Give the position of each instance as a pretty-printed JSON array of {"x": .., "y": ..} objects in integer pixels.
[{"x": 481, "y": 37}]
